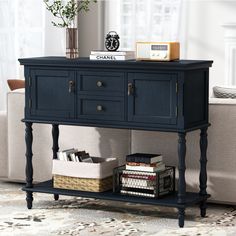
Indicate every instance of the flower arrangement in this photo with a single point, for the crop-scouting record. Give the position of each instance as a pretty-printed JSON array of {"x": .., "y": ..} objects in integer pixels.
[{"x": 67, "y": 11}]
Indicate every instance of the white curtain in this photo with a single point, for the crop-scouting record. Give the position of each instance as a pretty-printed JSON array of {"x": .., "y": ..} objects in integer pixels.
[
  {"x": 25, "y": 31},
  {"x": 143, "y": 20}
]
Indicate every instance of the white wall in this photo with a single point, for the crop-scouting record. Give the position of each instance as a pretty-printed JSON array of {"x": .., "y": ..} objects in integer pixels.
[
  {"x": 202, "y": 37},
  {"x": 204, "y": 34},
  {"x": 90, "y": 27}
]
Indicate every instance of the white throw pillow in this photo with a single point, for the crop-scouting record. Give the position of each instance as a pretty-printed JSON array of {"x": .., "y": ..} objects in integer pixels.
[{"x": 223, "y": 92}]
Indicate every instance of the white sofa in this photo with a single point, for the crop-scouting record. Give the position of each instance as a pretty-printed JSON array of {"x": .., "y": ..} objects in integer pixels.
[
  {"x": 3, "y": 143},
  {"x": 96, "y": 141},
  {"x": 221, "y": 150},
  {"x": 113, "y": 142}
]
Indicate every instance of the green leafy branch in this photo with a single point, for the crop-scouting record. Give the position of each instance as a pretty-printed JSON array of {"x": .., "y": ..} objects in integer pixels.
[{"x": 67, "y": 12}]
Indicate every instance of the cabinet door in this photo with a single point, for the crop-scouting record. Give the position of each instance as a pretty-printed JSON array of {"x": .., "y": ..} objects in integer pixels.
[
  {"x": 152, "y": 98},
  {"x": 52, "y": 94}
]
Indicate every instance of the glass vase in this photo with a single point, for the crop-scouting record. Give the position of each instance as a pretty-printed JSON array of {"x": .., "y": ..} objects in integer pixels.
[{"x": 72, "y": 51}]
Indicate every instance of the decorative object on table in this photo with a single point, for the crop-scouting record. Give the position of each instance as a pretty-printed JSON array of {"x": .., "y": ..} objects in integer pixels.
[
  {"x": 112, "y": 55},
  {"x": 157, "y": 51},
  {"x": 95, "y": 176},
  {"x": 67, "y": 13},
  {"x": 224, "y": 92},
  {"x": 144, "y": 183},
  {"x": 112, "y": 42}
]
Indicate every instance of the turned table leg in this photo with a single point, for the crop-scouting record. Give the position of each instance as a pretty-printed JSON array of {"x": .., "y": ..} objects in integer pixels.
[
  {"x": 55, "y": 147},
  {"x": 203, "y": 170},
  {"x": 181, "y": 183},
  {"x": 29, "y": 165}
]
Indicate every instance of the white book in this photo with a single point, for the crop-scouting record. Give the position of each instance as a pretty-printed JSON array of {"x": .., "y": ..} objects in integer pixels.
[
  {"x": 72, "y": 156},
  {"x": 65, "y": 158},
  {"x": 114, "y": 53},
  {"x": 138, "y": 173},
  {"x": 146, "y": 168},
  {"x": 141, "y": 182},
  {"x": 111, "y": 57},
  {"x": 60, "y": 156},
  {"x": 67, "y": 152},
  {"x": 137, "y": 182}
]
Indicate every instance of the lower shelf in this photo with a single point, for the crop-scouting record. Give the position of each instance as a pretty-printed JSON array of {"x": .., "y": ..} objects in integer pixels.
[{"x": 169, "y": 200}]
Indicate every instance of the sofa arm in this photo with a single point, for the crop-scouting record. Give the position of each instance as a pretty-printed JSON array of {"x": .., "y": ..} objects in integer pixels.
[
  {"x": 222, "y": 101},
  {"x": 3, "y": 146},
  {"x": 16, "y": 142}
]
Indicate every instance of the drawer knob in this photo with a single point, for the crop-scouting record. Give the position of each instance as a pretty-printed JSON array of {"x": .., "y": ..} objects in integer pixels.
[
  {"x": 99, "y": 108},
  {"x": 99, "y": 84}
]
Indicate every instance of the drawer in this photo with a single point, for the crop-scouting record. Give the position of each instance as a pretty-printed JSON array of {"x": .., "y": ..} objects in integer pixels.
[
  {"x": 105, "y": 109},
  {"x": 101, "y": 83}
]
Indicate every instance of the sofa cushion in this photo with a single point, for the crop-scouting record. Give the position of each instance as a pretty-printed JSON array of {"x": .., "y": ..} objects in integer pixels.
[
  {"x": 222, "y": 101},
  {"x": 223, "y": 92}
]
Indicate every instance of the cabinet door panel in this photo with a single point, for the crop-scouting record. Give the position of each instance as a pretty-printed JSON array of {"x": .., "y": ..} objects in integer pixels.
[
  {"x": 50, "y": 95},
  {"x": 153, "y": 98}
]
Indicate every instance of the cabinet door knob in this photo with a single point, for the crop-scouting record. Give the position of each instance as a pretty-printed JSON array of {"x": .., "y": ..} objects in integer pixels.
[
  {"x": 99, "y": 83},
  {"x": 99, "y": 108},
  {"x": 130, "y": 89},
  {"x": 71, "y": 85}
]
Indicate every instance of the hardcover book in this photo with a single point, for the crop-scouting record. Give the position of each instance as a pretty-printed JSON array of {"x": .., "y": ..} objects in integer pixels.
[
  {"x": 144, "y": 158},
  {"x": 139, "y": 190},
  {"x": 127, "y": 192},
  {"x": 138, "y": 183},
  {"x": 139, "y": 176},
  {"x": 138, "y": 173},
  {"x": 112, "y": 55},
  {"x": 146, "y": 168},
  {"x": 142, "y": 164}
]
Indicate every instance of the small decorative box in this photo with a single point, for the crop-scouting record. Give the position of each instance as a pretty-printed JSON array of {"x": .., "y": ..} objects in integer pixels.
[{"x": 143, "y": 183}]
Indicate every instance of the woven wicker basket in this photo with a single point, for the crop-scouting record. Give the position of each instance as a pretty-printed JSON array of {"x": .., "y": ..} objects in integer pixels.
[{"x": 83, "y": 184}]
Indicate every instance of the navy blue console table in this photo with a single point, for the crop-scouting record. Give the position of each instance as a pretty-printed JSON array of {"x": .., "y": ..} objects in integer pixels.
[{"x": 157, "y": 96}]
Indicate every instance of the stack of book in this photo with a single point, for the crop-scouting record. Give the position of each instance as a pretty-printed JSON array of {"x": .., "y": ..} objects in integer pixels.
[
  {"x": 74, "y": 155},
  {"x": 112, "y": 56},
  {"x": 146, "y": 175}
]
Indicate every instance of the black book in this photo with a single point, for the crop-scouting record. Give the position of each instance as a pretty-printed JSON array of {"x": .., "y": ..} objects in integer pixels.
[
  {"x": 83, "y": 157},
  {"x": 144, "y": 158},
  {"x": 139, "y": 190}
]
